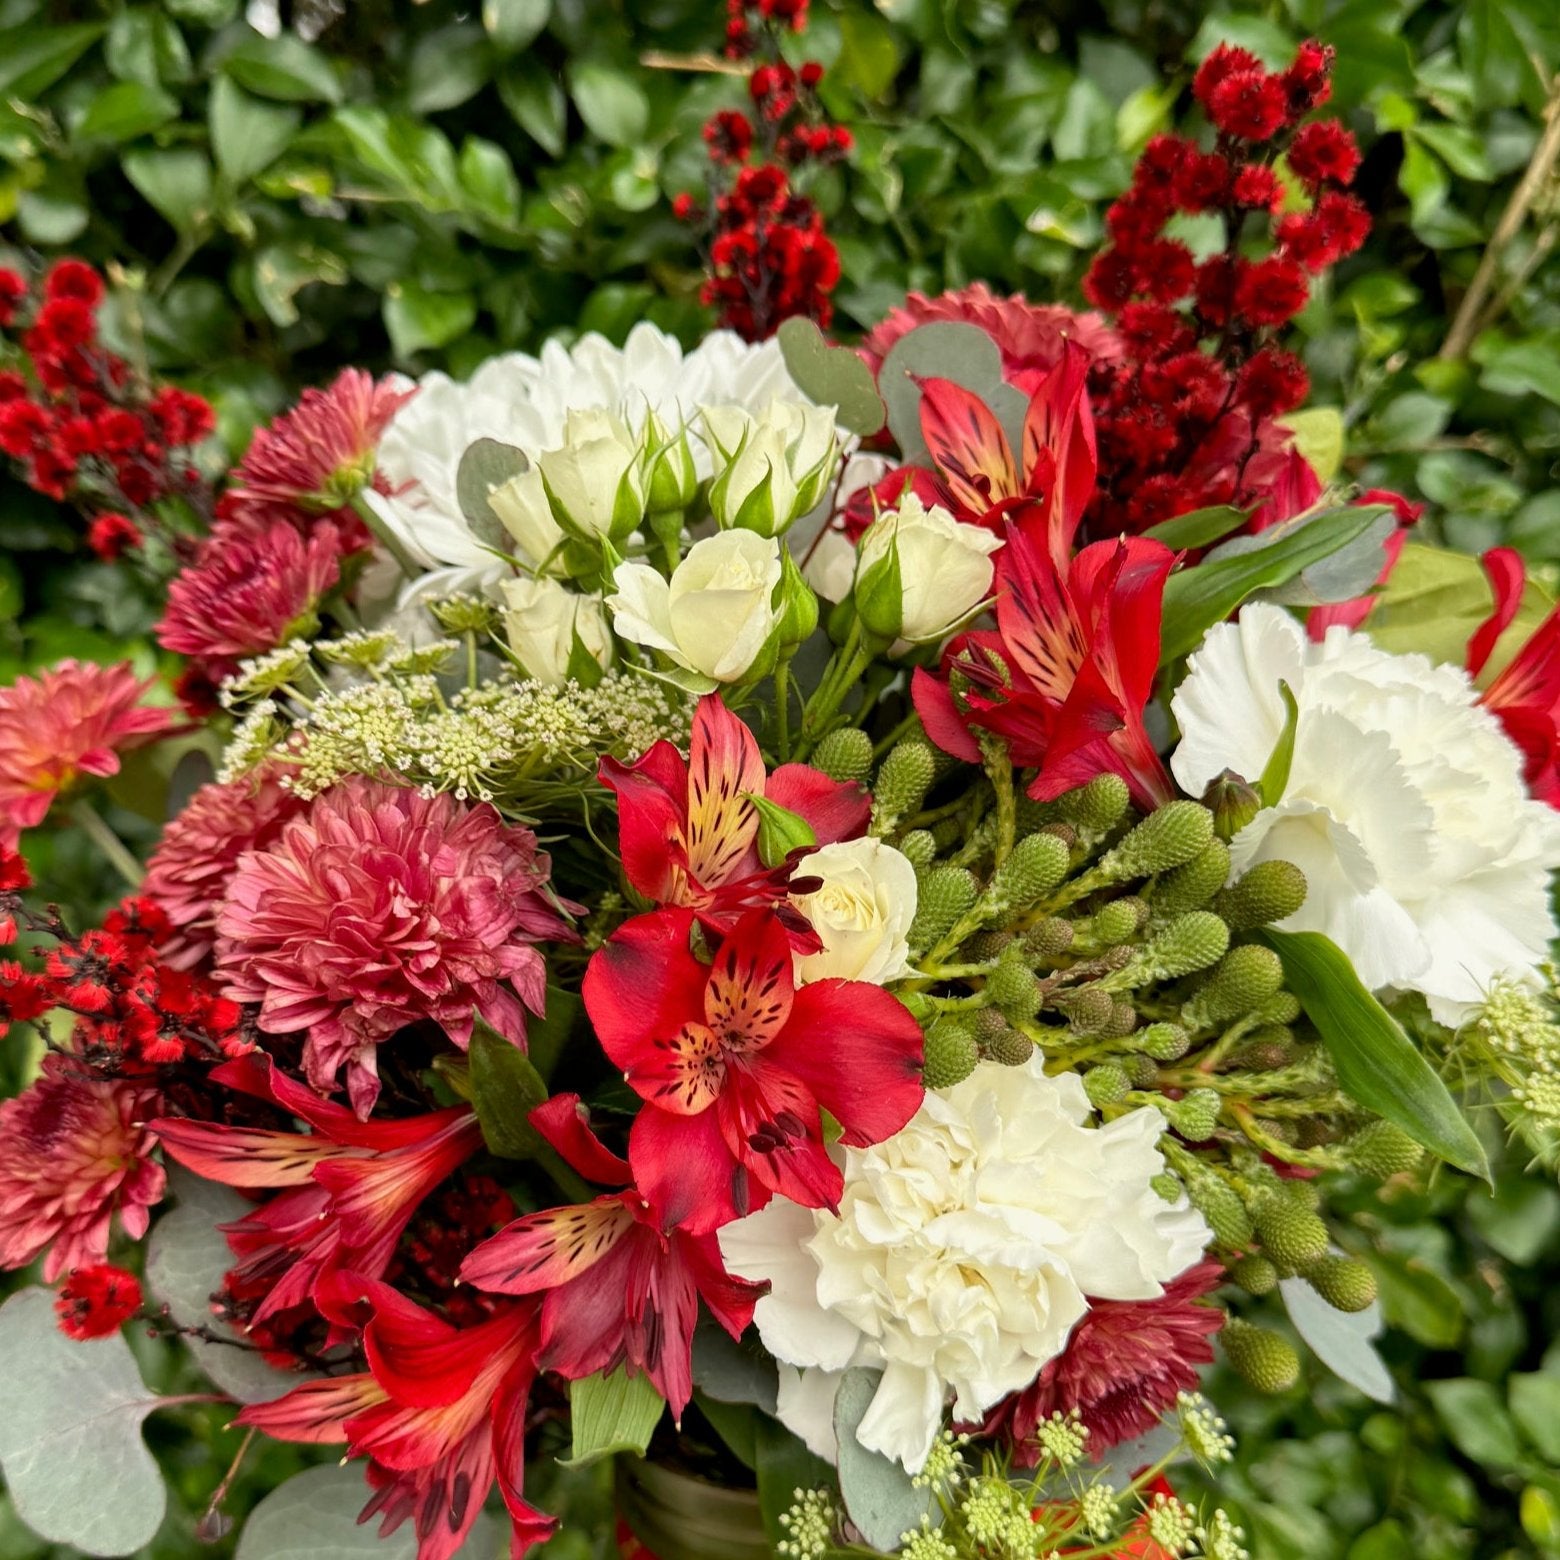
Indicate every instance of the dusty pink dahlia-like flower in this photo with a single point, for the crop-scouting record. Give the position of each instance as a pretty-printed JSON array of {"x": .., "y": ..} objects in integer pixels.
[
  {"x": 247, "y": 594},
  {"x": 1124, "y": 1365},
  {"x": 67, "y": 722},
  {"x": 1031, "y": 335},
  {"x": 316, "y": 458},
  {"x": 378, "y": 907},
  {"x": 74, "y": 1151},
  {"x": 188, "y": 873}
]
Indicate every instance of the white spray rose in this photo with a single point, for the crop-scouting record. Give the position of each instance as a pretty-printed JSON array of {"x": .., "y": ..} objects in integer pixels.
[
  {"x": 1426, "y": 860},
  {"x": 945, "y": 572},
  {"x": 771, "y": 468},
  {"x": 521, "y": 504},
  {"x": 717, "y": 612},
  {"x": 862, "y": 911},
  {"x": 961, "y": 1255},
  {"x": 595, "y": 482},
  {"x": 545, "y": 621}
]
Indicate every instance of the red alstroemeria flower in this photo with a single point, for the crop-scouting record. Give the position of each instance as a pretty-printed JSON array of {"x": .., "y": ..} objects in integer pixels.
[
  {"x": 440, "y": 1413},
  {"x": 689, "y": 829},
  {"x": 347, "y": 1189},
  {"x": 1080, "y": 645},
  {"x": 620, "y": 1289},
  {"x": 734, "y": 1061},
  {"x": 1526, "y": 694}
]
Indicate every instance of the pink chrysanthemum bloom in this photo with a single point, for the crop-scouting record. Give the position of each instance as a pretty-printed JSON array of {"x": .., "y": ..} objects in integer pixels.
[
  {"x": 188, "y": 873},
  {"x": 247, "y": 594},
  {"x": 379, "y": 907},
  {"x": 1031, "y": 335},
  {"x": 1124, "y": 1365},
  {"x": 74, "y": 1151},
  {"x": 63, "y": 724},
  {"x": 315, "y": 459}
]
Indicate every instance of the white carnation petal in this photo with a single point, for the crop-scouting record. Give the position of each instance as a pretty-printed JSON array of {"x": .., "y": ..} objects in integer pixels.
[
  {"x": 805, "y": 1407},
  {"x": 905, "y": 1416}
]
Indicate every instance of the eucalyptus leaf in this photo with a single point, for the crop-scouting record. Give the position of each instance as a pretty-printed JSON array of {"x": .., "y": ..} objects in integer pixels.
[
  {"x": 186, "y": 1260},
  {"x": 314, "y": 1516},
  {"x": 1344, "y": 1341},
  {"x": 505, "y": 1088},
  {"x": 487, "y": 464},
  {"x": 70, "y": 1437},
  {"x": 1350, "y": 572},
  {"x": 1376, "y": 1062},
  {"x": 878, "y": 1494},
  {"x": 611, "y": 1412},
  {"x": 733, "y": 1371},
  {"x": 946, "y": 349},
  {"x": 832, "y": 376}
]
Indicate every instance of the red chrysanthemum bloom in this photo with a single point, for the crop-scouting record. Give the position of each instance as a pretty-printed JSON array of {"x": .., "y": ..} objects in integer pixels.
[
  {"x": 181, "y": 416},
  {"x": 97, "y": 1301},
  {"x": 315, "y": 459},
  {"x": 111, "y": 536},
  {"x": 63, "y": 724},
  {"x": 1124, "y": 1365},
  {"x": 74, "y": 1151},
  {"x": 1031, "y": 336},
  {"x": 379, "y": 907},
  {"x": 247, "y": 594},
  {"x": 188, "y": 873},
  {"x": 1273, "y": 382}
]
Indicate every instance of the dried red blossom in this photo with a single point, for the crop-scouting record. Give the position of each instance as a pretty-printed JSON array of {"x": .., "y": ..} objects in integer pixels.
[
  {"x": 1323, "y": 152},
  {"x": 96, "y": 1301},
  {"x": 111, "y": 536}
]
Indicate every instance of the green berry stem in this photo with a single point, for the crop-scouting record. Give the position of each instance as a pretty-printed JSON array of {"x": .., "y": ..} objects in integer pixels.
[
  {"x": 1260, "y": 1137},
  {"x": 999, "y": 771}
]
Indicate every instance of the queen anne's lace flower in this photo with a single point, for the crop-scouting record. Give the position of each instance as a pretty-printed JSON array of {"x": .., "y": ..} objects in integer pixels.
[
  {"x": 961, "y": 1255},
  {"x": 1427, "y": 861}
]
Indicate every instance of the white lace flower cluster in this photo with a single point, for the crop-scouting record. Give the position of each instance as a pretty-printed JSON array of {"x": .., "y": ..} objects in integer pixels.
[
  {"x": 1426, "y": 860},
  {"x": 961, "y": 1255}
]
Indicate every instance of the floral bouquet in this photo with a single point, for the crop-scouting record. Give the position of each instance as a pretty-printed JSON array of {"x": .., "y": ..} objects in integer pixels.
[{"x": 815, "y": 921}]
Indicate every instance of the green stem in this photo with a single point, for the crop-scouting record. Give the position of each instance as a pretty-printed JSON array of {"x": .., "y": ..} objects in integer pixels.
[
  {"x": 999, "y": 771},
  {"x": 112, "y": 847},
  {"x": 844, "y": 670},
  {"x": 783, "y": 708},
  {"x": 386, "y": 538}
]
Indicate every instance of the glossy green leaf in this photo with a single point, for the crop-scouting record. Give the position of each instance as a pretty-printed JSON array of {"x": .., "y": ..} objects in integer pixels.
[
  {"x": 512, "y": 24},
  {"x": 1534, "y": 1398},
  {"x": 536, "y": 103},
  {"x": 612, "y": 104},
  {"x": 418, "y": 319},
  {"x": 1476, "y": 1420},
  {"x": 247, "y": 135},
  {"x": 283, "y": 67},
  {"x": 34, "y": 58},
  {"x": 1199, "y": 528},
  {"x": 1275, "y": 774},
  {"x": 488, "y": 178},
  {"x": 124, "y": 111},
  {"x": 177, "y": 182},
  {"x": 1376, "y": 1062},
  {"x": 505, "y": 1088},
  {"x": 609, "y": 1413},
  {"x": 448, "y": 66}
]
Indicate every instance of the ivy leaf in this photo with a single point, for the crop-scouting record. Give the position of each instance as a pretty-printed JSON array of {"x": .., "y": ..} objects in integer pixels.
[
  {"x": 505, "y": 1088},
  {"x": 314, "y": 1516},
  {"x": 832, "y": 376},
  {"x": 71, "y": 1451},
  {"x": 1376, "y": 1062},
  {"x": 878, "y": 1494},
  {"x": 611, "y": 1412}
]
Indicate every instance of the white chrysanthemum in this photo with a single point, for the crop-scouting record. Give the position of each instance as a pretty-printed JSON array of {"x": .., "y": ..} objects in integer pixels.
[
  {"x": 525, "y": 401},
  {"x": 961, "y": 1255},
  {"x": 1427, "y": 861}
]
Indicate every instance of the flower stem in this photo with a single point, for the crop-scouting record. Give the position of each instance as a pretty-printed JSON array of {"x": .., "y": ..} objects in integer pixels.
[
  {"x": 386, "y": 538},
  {"x": 783, "y": 708},
  {"x": 113, "y": 848},
  {"x": 999, "y": 770}
]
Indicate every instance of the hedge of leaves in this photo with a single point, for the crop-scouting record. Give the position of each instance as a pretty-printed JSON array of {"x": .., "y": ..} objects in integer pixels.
[{"x": 419, "y": 185}]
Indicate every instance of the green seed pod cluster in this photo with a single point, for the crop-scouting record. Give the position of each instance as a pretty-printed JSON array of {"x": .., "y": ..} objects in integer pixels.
[
  {"x": 1263, "y": 1358},
  {"x": 1193, "y": 885},
  {"x": 844, "y": 755},
  {"x": 903, "y": 779},
  {"x": 1195, "y": 1115},
  {"x": 1255, "y": 1274},
  {"x": 1345, "y": 1283},
  {"x": 1292, "y": 1235},
  {"x": 1013, "y": 990},
  {"x": 1167, "y": 838},
  {"x": 1190, "y": 943},
  {"x": 919, "y": 847},
  {"x": 1096, "y": 808},
  {"x": 1245, "y": 978},
  {"x": 1382, "y": 1149},
  {"x": 951, "y": 1053},
  {"x": 1271, "y": 891},
  {"x": 946, "y": 893},
  {"x": 1106, "y": 1084},
  {"x": 1010, "y": 1047},
  {"x": 1038, "y": 863},
  {"x": 1222, "y": 1207}
]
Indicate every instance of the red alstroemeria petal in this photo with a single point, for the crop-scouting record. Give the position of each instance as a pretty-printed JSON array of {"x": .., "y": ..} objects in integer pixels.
[
  {"x": 751, "y": 984},
  {"x": 652, "y": 817},
  {"x": 683, "y": 1167},
  {"x": 423, "y": 1362},
  {"x": 318, "y": 1411},
  {"x": 858, "y": 1050},
  {"x": 684, "y": 1073},
  {"x": 968, "y": 447},
  {"x": 771, "y": 1122},
  {"x": 245, "y": 1156},
  {"x": 643, "y": 986},
  {"x": 1042, "y": 634},
  {"x": 530, "y": 1526},
  {"x": 544, "y": 1250},
  {"x": 1507, "y": 574},
  {"x": 1060, "y": 427},
  {"x": 941, "y": 718},
  {"x": 725, "y": 770},
  {"x": 836, "y": 810},
  {"x": 731, "y": 1300},
  {"x": 256, "y": 1074},
  {"x": 565, "y": 1123}
]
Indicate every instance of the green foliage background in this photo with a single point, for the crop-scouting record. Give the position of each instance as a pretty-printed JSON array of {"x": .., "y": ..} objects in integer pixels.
[{"x": 420, "y": 185}]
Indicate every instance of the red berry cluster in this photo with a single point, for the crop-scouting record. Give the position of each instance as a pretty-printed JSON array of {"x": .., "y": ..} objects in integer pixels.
[
  {"x": 96, "y": 1301},
  {"x": 770, "y": 259},
  {"x": 132, "y": 1011},
  {"x": 1183, "y": 416},
  {"x": 77, "y": 420}
]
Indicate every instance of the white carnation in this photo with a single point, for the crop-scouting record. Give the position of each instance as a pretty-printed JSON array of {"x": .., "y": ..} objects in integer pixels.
[
  {"x": 1427, "y": 861},
  {"x": 962, "y": 1254}
]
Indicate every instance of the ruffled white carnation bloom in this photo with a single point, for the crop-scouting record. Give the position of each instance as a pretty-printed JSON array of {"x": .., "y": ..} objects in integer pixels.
[
  {"x": 961, "y": 1256},
  {"x": 525, "y": 401},
  {"x": 1427, "y": 861}
]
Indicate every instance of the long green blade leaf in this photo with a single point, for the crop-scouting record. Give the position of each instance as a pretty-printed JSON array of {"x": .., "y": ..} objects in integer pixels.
[{"x": 1376, "y": 1062}]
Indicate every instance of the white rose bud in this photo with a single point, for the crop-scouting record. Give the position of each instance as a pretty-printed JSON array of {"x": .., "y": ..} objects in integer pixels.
[
  {"x": 862, "y": 911},
  {"x": 596, "y": 482},
  {"x": 944, "y": 571},
  {"x": 769, "y": 469},
  {"x": 557, "y": 633},
  {"x": 672, "y": 477},
  {"x": 521, "y": 504},
  {"x": 717, "y": 612}
]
